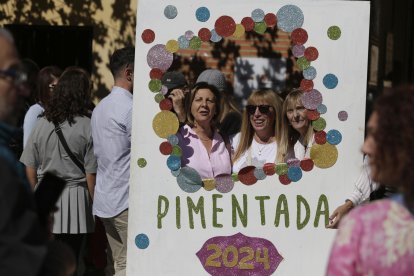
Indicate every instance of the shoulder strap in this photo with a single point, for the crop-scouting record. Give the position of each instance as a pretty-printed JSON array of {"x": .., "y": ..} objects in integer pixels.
[{"x": 75, "y": 160}]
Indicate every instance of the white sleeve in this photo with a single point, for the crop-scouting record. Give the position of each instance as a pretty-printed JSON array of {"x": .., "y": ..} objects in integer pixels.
[{"x": 363, "y": 186}]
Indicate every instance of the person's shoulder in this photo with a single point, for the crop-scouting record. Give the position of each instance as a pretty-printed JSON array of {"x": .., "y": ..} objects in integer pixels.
[{"x": 376, "y": 209}]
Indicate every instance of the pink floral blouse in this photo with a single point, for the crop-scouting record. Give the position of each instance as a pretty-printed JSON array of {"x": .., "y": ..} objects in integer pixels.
[{"x": 375, "y": 239}]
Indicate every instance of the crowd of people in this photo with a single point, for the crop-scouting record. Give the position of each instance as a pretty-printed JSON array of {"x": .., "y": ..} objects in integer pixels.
[{"x": 89, "y": 149}]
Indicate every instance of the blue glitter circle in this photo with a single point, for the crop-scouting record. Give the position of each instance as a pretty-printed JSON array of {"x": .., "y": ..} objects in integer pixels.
[
  {"x": 173, "y": 139},
  {"x": 309, "y": 73},
  {"x": 202, "y": 14},
  {"x": 258, "y": 15},
  {"x": 183, "y": 42},
  {"x": 214, "y": 36},
  {"x": 259, "y": 173},
  {"x": 142, "y": 241},
  {"x": 322, "y": 109},
  {"x": 176, "y": 173},
  {"x": 189, "y": 180},
  {"x": 294, "y": 174},
  {"x": 170, "y": 12},
  {"x": 174, "y": 162},
  {"x": 333, "y": 137},
  {"x": 330, "y": 81},
  {"x": 289, "y": 17}
]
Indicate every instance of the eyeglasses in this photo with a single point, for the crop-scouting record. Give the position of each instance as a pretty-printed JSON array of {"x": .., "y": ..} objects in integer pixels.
[
  {"x": 18, "y": 76},
  {"x": 264, "y": 109}
]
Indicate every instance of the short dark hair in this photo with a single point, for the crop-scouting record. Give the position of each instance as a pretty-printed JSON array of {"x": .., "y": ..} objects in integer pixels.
[
  {"x": 120, "y": 58},
  {"x": 44, "y": 79}
]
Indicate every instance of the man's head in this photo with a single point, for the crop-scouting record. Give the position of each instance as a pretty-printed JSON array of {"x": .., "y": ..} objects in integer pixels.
[
  {"x": 121, "y": 65},
  {"x": 13, "y": 79}
]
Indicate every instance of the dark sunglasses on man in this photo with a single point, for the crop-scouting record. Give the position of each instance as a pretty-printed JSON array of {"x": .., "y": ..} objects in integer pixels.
[
  {"x": 264, "y": 109},
  {"x": 16, "y": 74}
]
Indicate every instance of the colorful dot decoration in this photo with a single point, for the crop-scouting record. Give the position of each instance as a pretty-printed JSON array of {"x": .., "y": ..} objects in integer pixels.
[
  {"x": 142, "y": 163},
  {"x": 202, "y": 14},
  {"x": 288, "y": 18},
  {"x": 170, "y": 12},
  {"x": 334, "y": 32},
  {"x": 142, "y": 241}
]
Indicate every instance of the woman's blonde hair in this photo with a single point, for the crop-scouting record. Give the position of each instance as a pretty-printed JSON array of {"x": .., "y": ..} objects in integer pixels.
[
  {"x": 290, "y": 135},
  {"x": 247, "y": 131}
]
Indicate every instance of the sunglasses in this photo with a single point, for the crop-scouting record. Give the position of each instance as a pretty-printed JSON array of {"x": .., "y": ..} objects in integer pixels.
[
  {"x": 264, "y": 109},
  {"x": 17, "y": 75}
]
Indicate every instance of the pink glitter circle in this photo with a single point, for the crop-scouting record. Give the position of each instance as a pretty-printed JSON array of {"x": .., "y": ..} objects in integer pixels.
[
  {"x": 159, "y": 57},
  {"x": 312, "y": 99},
  {"x": 343, "y": 115},
  {"x": 224, "y": 183},
  {"x": 298, "y": 50}
]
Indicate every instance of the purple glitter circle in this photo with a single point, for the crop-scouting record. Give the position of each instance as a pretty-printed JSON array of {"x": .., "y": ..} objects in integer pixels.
[
  {"x": 164, "y": 90},
  {"x": 159, "y": 57},
  {"x": 298, "y": 50},
  {"x": 224, "y": 183},
  {"x": 293, "y": 162},
  {"x": 343, "y": 115},
  {"x": 189, "y": 34},
  {"x": 312, "y": 99}
]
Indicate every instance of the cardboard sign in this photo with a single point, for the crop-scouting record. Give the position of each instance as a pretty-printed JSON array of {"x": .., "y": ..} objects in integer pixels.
[{"x": 182, "y": 225}]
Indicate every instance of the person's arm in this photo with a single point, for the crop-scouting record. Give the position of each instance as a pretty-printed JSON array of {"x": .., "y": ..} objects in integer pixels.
[
  {"x": 339, "y": 213},
  {"x": 177, "y": 97},
  {"x": 31, "y": 174},
  {"x": 91, "y": 180}
]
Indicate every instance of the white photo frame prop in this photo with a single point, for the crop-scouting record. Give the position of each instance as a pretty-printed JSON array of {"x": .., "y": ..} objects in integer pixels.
[{"x": 276, "y": 224}]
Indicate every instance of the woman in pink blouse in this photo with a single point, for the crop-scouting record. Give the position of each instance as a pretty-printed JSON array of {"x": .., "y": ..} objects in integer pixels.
[
  {"x": 378, "y": 238},
  {"x": 203, "y": 148}
]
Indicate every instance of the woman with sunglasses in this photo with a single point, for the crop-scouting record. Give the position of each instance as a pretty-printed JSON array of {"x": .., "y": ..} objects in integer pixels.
[
  {"x": 261, "y": 131},
  {"x": 299, "y": 136},
  {"x": 203, "y": 147}
]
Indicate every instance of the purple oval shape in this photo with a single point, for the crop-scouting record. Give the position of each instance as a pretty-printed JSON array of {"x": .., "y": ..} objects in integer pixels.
[{"x": 239, "y": 255}]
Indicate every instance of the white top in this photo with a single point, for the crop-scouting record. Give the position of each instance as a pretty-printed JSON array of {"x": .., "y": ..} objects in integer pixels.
[
  {"x": 111, "y": 133},
  {"x": 257, "y": 155},
  {"x": 299, "y": 151},
  {"x": 30, "y": 119},
  {"x": 363, "y": 186}
]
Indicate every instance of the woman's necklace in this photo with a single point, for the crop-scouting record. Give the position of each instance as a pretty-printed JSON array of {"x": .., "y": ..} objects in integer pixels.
[{"x": 261, "y": 148}]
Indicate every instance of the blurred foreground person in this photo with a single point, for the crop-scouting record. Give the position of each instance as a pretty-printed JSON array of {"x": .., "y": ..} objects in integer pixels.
[{"x": 378, "y": 238}]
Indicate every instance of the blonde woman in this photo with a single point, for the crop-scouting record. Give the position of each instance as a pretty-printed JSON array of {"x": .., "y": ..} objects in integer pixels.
[
  {"x": 299, "y": 136},
  {"x": 261, "y": 131}
]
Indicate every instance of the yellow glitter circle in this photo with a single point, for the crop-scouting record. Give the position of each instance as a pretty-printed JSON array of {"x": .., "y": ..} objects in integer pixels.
[
  {"x": 165, "y": 123},
  {"x": 209, "y": 184},
  {"x": 324, "y": 156},
  {"x": 172, "y": 46},
  {"x": 239, "y": 32}
]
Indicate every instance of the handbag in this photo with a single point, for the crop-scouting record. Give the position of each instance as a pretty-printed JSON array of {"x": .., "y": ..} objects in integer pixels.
[{"x": 62, "y": 139}]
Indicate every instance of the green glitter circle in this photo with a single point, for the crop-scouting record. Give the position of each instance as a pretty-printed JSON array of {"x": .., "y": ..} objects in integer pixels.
[
  {"x": 235, "y": 177},
  {"x": 302, "y": 63},
  {"x": 158, "y": 97},
  {"x": 281, "y": 168},
  {"x": 334, "y": 32},
  {"x": 260, "y": 27},
  {"x": 176, "y": 150},
  {"x": 142, "y": 162},
  {"x": 155, "y": 85},
  {"x": 319, "y": 124},
  {"x": 195, "y": 43}
]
